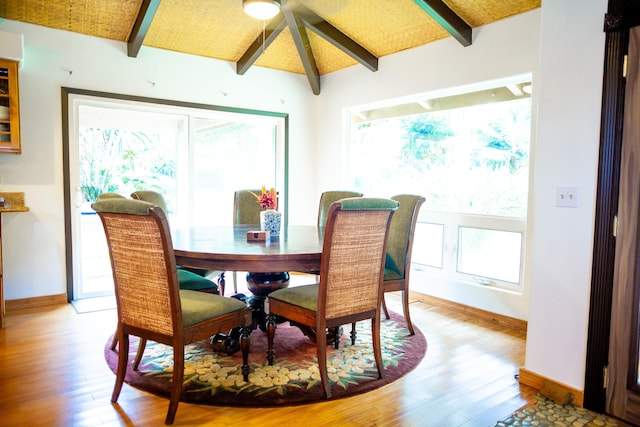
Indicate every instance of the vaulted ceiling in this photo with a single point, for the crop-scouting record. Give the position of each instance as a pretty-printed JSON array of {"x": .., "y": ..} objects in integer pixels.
[{"x": 312, "y": 37}]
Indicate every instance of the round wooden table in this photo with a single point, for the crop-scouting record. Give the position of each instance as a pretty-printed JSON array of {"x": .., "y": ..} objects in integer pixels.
[{"x": 225, "y": 248}]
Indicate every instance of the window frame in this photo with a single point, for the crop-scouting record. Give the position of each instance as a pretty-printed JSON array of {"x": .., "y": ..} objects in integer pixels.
[{"x": 452, "y": 221}]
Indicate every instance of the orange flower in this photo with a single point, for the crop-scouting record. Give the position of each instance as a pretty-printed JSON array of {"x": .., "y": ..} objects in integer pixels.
[{"x": 268, "y": 200}]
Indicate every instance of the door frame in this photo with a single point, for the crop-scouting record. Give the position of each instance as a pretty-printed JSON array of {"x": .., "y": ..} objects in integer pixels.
[
  {"x": 621, "y": 15},
  {"x": 67, "y": 99}
]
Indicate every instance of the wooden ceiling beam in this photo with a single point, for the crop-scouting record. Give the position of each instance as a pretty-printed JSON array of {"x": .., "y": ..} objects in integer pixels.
[
  {"x": 260, "y": 44},
  {"x": 301, "y": 40},
  {"x": 147, "y": 11},
  {"x": 337, "y": 38},
  {"x": 447, "y": 19}
]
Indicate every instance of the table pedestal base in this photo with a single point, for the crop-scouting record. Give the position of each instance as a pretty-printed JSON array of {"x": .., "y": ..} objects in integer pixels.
[{"x": 261, "y": 285}]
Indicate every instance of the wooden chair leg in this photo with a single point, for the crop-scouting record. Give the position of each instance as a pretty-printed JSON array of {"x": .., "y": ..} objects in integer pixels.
[
  {"x": 321, "y": 350},
  {"x": 176, "y": 384},
  {"x": 335, "y": 337},
  {"x": 405, "y": 308},
  {"x": 123, "y": 358},
  {"x": 244, "y": 345},
  {"x": 141, "y": 346},
  {"x": 114, "y": 340},
  {"x": 384, "y": 308},
  {"x": 377, "y": 350},
  {"x": 235, "y": 282},
  {"x": 353, "y": 333},
  {"x": 271, "y": 331},
  {"x": 221, "y": 283}
]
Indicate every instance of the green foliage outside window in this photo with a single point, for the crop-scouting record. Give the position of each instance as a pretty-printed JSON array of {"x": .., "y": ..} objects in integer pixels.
[
  {"x": 468, "y": 160},
  {"x": 123, "y": 161}
]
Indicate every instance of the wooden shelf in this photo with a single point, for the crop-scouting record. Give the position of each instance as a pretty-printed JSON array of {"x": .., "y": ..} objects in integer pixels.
[{"x": 9, "y": 108}]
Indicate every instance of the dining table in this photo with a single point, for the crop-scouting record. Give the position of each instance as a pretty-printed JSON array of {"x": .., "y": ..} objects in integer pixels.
[
  {"x": 267, "y": 263},
  {"x": 227, "y": 248}
]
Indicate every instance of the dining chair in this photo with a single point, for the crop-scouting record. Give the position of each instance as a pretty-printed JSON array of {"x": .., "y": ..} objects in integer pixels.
[
  {"x": 189, "y": 278},
  {"x": 108, "y": 195},
  {"x": 350, "y": 286},
  {"x": 150, "y": 304},
  {"x": 399, "y": 249},
  {"x": 246, "y": 211},
  {"x": 327, "y": 198},
  {"x": 186, "y": 279}
]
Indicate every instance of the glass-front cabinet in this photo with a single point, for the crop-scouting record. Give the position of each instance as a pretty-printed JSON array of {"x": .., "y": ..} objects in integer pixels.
[{"x": 9, "y": 108}]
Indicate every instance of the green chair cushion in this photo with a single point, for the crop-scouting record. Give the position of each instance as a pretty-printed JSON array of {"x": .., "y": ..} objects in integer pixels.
[
  {"x": 194, "y": 282},
  {"x": 391, "y": 275},
  {"x": 122, "y": 205},
  {"x": 199, "y": 306},
  {"x": 104, "y": 196},
  {"x": 399, "y": 234},
  {"x": 391, "y": 269},
  {"x": 329, "y": 197},
  {"x": 303, "y": 296},
  {"x": 154, "y": 198},
  {"x": 357, "y": 203}
]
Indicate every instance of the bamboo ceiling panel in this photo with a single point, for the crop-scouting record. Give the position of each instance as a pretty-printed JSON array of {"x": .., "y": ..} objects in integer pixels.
[
  {"x": 220, "y": 29},
  {"x": 109, "y": 19}
]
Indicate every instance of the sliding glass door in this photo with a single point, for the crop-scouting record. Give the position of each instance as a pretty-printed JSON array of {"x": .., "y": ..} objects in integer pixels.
[{"x": 195, "y": 156}]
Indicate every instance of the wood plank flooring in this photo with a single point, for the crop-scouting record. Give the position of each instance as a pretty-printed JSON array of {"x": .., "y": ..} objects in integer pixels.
[{"x": 53, "y": 373}]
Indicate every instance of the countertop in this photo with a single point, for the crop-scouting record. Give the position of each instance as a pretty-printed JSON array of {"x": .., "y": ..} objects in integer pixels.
[{"x": 13, "y": 202}]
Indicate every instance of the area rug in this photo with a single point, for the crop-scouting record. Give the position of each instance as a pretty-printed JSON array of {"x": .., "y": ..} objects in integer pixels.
[{"x": 214, "y": 378}]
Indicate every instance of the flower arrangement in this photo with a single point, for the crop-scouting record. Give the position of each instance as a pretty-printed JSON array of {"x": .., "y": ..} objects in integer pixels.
[{"x": 268, "y": 199}]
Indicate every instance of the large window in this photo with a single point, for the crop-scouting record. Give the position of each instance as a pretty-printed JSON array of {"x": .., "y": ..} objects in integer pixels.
[{"x": 468, "y": 154}]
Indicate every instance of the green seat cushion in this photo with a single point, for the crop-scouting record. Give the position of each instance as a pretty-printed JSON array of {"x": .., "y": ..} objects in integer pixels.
[
  {"x": 194, "y": 282},
  {"x": 303, "y": 296},
  {"x": 199, "y": 306},
  {"x": 198, "y": 271}
]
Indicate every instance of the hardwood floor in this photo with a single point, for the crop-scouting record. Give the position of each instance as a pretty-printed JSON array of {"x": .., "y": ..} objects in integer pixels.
[{"x": 53, "y": 373}]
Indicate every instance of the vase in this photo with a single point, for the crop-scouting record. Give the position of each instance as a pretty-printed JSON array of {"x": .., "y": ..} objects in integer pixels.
[{"x": 270, "y": 220}]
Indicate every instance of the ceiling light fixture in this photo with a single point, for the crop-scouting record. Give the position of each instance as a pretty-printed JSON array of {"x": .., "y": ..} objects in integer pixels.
[{"x": 261, "y": 9}]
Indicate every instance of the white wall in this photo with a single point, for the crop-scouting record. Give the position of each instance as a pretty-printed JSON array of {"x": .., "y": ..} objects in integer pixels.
[
  {"x": 34, "y": 248},
  {"x": 561, "y": 44},
  {"x": 570, "y": 93}
]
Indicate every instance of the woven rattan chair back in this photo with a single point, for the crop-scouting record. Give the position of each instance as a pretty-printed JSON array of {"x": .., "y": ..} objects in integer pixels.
[
  {"x": 351, "y": 268},
  {"x": 146, "y": 294}
]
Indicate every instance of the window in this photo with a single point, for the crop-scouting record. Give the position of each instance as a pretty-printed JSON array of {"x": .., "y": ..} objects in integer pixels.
[{"x": 467, "y": 153}]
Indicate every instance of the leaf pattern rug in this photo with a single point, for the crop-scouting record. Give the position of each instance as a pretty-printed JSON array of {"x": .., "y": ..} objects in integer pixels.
[{"x": 214, "y": 378}]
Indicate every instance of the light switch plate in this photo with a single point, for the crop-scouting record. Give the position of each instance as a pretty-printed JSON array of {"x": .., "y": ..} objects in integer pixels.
[{"x": 567, "y": 197}]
